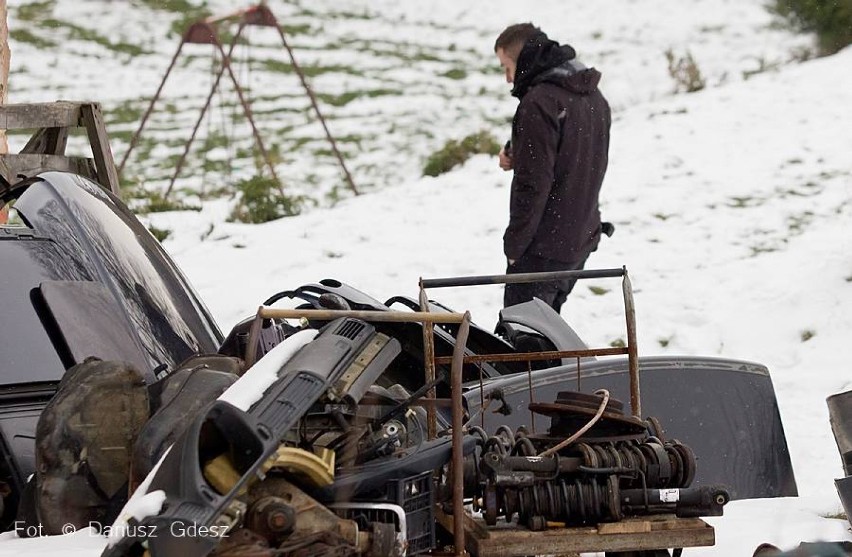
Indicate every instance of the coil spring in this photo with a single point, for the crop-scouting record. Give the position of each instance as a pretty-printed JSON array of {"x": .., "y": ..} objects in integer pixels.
[
  {"x": 656, "y": 464},
  {"x": 572, "y": 501}
]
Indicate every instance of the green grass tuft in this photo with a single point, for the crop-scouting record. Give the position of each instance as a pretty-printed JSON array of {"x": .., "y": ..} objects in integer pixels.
[{"x": 454, "y": 153}]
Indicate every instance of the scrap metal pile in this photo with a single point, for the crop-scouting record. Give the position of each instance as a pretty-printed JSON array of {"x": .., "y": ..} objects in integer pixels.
[
  {"x": 332, "y": 456},
  {"x": 615, "y": 470}
]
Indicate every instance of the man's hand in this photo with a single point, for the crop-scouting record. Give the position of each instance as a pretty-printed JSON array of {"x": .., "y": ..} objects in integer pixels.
[{"x": 505, "y": 159}]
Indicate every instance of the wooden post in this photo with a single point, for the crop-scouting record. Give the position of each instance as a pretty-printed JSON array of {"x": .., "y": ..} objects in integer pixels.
[{"x": 4, "y": 68}]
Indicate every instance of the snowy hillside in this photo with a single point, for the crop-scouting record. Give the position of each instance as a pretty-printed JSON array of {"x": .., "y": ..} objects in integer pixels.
[
  {"x": 394, "y": 79},
  {"x": 733, "y": 205}
]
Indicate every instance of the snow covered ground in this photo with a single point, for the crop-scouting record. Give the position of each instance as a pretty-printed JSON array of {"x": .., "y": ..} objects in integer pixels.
[{"x": 733, "y": 206}]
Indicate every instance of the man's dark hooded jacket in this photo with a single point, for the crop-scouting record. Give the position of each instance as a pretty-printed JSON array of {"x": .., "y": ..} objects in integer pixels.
[{"x": 560, "y": 141}]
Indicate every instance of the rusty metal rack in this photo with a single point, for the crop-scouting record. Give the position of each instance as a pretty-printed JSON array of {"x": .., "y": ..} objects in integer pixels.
[{"x": 470, "y": 534}]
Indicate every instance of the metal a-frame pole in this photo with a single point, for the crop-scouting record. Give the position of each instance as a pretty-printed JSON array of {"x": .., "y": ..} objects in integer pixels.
[
  {"x": 198, "y": 122},
  {"x": 311, "y": 96},
  {"x": 135, "y": 139}
]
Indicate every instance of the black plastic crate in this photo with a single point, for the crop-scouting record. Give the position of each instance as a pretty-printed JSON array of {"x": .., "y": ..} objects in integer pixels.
[{"x": 415, "y": 496}]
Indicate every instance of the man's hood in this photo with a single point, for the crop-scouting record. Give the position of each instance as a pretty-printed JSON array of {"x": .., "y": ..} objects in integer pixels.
[
  {"x": 545, "y": 61},
  {"x": 571, "y": 75}
]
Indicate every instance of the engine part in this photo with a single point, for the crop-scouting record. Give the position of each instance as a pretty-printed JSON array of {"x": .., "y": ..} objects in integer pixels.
[
  {"x": 272, "y": 518},
  {"x": 316, "y": 470},
  {"x": 840, "y": 416},
  {"x": 311, "y": 517},
  {"x": 248, "y": 438},
  {"x": 539, "y": 480}
]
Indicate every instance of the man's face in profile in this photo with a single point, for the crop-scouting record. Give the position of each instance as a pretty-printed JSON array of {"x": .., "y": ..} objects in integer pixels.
[{"x": 508, "y": 65}]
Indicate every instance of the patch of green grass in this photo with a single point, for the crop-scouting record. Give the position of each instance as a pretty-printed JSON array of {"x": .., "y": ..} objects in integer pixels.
[
  {"x": 618, "y": 343},
  {"x": 125, "y": 113},
  {"x": 807, "y": 335},
  {"x": 598, "y": 291},
  {"x": 664, "y": 341},
  {"x": 455, "y": 73},
  {"x": 177, "y": 6},
  {"x": 35, "y": 11},
  {"x": 797, "y": 223},
  {"x": 831, "y": 20},
  {"x": 839, "y": 515},
  {"x": 742, "y": 202},
  {"x": 26, "y": 36},
  {"x": 159, "y": 233},
  {"x": 454, "y": 152},
  {"x": 156, "y": 203},
  {"x": 261, "y": 201},
  {"x": 298, "y": 29},
  {"x": 313, "y": 70},
  {"x": 349, "y": 96},
  {"x": 81, "y": 33},
  {"x": 187, "y": 17}
]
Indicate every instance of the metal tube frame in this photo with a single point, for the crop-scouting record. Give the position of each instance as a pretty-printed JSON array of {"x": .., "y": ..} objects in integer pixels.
[{"x": 629, "y": 311}]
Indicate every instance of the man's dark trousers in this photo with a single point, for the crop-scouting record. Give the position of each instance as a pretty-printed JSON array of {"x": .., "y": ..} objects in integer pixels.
[{"x": 553, "y": 293}]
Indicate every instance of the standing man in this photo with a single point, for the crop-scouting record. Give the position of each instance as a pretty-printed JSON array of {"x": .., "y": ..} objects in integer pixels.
[{"x": 559, "y": 152}]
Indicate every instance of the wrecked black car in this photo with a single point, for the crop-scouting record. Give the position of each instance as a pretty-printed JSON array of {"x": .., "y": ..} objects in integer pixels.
[{"x": 290, "y": 437}]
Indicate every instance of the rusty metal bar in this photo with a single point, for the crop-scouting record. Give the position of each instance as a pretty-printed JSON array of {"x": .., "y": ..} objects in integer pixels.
[
  {"x": 457, "y": 422},
  {"x": 632, "y": 346},
  {"x": 535, "y": 356},
  {"x": 521, "y": 278},
  {"x": 135, "y": 139},
  {"x": 315, "y": 105},
  {"x": 254, "y": 333},
  {"x": 204, "y": 108},
  {"x": 378, "y": 316},
  {"x": 532, "y": 395},
  {"x": 429, "y": 363}
]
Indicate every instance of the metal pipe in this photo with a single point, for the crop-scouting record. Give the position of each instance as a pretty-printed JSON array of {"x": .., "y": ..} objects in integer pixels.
[
  {"x": 535, "y": 356},
  {"x": 632, "y": 346},
  {"x": 254, "y": 335},
  {"x": 429, "y": 364},
  {"x": 458, "y": 436},
  {"x": 377, "y": 316},
  {"x": 521, "y": 278},
  {"x": 135, "y": 139},
  {"x": 315, "y": 105}
]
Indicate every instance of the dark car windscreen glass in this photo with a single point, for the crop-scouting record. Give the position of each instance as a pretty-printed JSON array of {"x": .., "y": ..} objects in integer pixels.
[{"x": 27, "y": 352}]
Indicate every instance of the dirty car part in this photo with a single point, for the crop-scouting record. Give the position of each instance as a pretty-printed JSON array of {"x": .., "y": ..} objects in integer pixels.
[
  {"x": 247, "y": 439},
  {"x": 840, "y": 415},
  {"x": 725, "y": 409},
  {"x": 81, "y": 277}
]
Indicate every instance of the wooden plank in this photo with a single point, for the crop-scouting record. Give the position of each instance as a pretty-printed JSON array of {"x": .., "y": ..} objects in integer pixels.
[
  {"x": 13, "y": 166},
  {"x": 624, "y": 527},
  {"x": 96, "y": 130},
  {"x": 664, "y": 534},
  {"x": 4, "y": 68},
  {"x": 48, "y": 141},
  {"x": 60, "y": 114}
]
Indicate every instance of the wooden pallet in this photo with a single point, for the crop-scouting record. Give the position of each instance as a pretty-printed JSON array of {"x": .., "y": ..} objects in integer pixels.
[{"x": 632, "y": 534}]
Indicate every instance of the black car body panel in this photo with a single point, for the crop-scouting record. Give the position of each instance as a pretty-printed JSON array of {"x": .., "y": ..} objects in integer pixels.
[
  {"x": 81, "y": 277},
  {"x": 83, "y": 233}
]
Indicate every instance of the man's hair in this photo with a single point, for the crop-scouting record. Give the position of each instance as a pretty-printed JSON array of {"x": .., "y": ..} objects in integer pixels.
[{"x": 514, "y": 37}]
